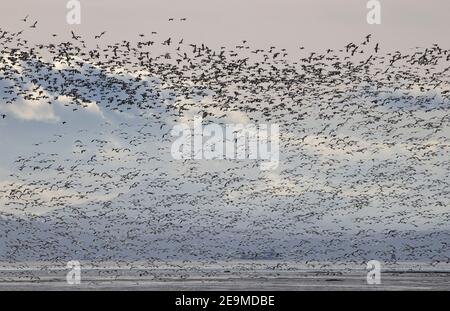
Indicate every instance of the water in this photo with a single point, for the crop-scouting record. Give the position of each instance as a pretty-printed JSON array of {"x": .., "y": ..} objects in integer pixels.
[{"x": 236, "y": 275}]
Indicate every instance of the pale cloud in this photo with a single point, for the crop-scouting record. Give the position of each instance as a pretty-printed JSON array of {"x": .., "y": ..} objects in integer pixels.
[
  {"x": 32, "y": 111},
  {"x": 90, "y": 107}
]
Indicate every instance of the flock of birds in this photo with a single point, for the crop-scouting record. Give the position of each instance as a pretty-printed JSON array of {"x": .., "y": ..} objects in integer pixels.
[{"x": 364, "y": 142}]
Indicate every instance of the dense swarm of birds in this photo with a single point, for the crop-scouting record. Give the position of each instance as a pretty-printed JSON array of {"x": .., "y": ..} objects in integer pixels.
[{"x": 364, "y": 142}]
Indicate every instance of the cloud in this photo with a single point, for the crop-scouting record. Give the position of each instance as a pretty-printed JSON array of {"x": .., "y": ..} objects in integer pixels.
[
  {"x": 90, "y": 107},
  {"x": 36, "y": 111}
]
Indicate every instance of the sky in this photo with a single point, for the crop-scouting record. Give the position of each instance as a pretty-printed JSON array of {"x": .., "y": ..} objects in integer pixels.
[
  {"x": 176, "y": 211},
  {"x": 289, "y": 23}
]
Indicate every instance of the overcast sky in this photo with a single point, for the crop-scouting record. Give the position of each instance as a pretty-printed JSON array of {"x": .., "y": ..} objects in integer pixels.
[
  {"x": 314, "y": 24},
  {"x": 288, "y": 23}
]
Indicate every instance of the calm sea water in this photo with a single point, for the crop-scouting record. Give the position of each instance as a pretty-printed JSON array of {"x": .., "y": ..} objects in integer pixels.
[{"x": 237, "y": 275}]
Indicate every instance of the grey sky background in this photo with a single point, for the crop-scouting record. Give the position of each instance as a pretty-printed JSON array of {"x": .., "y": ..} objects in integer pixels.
[
  {"x": 268, "y": 209},
  {"x": 314, "y": 24}
]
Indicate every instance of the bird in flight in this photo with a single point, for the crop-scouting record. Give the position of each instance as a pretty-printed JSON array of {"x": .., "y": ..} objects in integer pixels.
[
  {"x": 100, "y": 35},
  {"x": 75, "y": 37}
]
